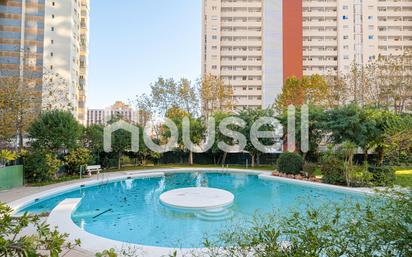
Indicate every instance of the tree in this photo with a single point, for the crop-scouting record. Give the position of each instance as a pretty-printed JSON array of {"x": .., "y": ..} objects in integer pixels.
[
  {"x": 121, "y": 142},
  {"x": 315, "y": 128},
  {"x": 92, "y": 139},
  {"x": 395, "y": 80},
  {"x": 55, "y": 131},
  {"x": 44, "y": 242},
  {"x": 398, "y": 139},
  {"x": 250, "y": 116},
  {"x": 197, "y": 129},
  {"x": 308, "y": 90},
  {"x": 19, "y": 106},
  {"x": 219, "y": 137},
  {"x": 145, "y": 109},
  {"x": 164, "y": 94},
  {"x": 349, "y": 123},
  {"x": 187, "y": 97},
  {"x": 215, "y": 95}
]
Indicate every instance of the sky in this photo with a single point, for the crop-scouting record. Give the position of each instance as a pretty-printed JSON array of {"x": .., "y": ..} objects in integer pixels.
[{"x": 133, "y": 42}]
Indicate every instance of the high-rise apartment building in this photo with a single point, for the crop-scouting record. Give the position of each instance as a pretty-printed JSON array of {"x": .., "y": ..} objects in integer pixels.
[
  {"x": 340, "y": 33},
  {"x": 254, "y": 45},
  {"x": 84, "y": 53},
  {"x": 47, "y": 40},
  {"x": 243, "y": 44}
]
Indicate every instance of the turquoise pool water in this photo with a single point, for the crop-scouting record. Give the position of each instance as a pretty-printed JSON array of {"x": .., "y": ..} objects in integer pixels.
[{"x": 130, "y": 210}]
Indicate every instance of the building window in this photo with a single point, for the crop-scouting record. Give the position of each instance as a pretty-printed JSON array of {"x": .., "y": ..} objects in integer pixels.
[
  {"x": 345, "y": 17},
  {"x": 370, "y": 36}
]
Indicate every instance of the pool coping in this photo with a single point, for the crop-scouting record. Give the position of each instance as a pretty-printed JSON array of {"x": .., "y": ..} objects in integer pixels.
[
  {"x": 60, "y": 218},
  {"x": 61, "y": 214}
]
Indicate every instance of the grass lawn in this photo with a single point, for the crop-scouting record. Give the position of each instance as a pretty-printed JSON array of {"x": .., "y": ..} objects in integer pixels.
[{"x": 404, "y": 177}]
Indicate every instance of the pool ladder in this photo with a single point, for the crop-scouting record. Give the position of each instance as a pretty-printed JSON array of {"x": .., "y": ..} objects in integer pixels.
[{"x": 103, "y": 178}]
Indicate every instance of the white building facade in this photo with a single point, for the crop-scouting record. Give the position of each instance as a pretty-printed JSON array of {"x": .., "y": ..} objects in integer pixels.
[
  {"x": 44, "y": 37},
  {"x": 340, "y": 33}
]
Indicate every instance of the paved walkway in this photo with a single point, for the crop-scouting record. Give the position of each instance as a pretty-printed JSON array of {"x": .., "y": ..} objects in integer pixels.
[{"x": 11, "y": 195}]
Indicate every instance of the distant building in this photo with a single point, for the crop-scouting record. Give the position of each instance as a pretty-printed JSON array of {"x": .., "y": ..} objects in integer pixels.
[{"x": 117, "y": 110}]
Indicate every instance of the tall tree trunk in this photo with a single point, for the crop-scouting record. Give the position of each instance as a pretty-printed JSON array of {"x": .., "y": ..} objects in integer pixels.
[
  {"x": 21, "y": 141},
  {"x": 253, "y": 160},
  {"x": 190, "y": 158},
  {"x": 258, "y": 159},
  {"x": 381, "y": 155},
  {"x": 224, "y": 158},
  {"x": 119, "y": 165},
  {"x": 365, "y": 156}
]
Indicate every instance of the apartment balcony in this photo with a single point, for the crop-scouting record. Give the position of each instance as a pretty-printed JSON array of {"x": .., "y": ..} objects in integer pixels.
[
  {"x": 240, "y": 63},
  {"x": 320, "y": 53},
  {"x": 240, "y": 73},
  {"x": 332, "y": 43},
  {"x": 315, "y": 62},
  {"x": 316, "y": 72},
  {"x": 242, "y": 14},
  {"x": 390, "y": 23},
  {"x": 319, "y": 14},
  {"x": 245, "y": 83},
  {"x": 331, "y": 24},
  {"x": 243, "y": 4},
  {"x": 241, "y": 43},
  {"x": 319, "y": 33},
  {"x": 394, "y": 33},
  {"x": 241, "y": 23},
  {"x": 394, "y": 4},
  {"x": 240, "y": 53},
  {"x": 395, "y": 43},
  {"x": 393, "y": 13},
  {"x": 319, "y": 4},
  {"x": 246, "y": 33}
]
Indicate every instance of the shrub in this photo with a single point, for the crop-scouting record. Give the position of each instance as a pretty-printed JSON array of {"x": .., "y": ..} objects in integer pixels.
[
  {"x": 290, "y": 163},
  {"x": 45, "y": 241},
  {"x": 77, "y": 157},
  {"x": 382, "y": 176},
  {"x": 310, "y": 169},
  {"x": 40, "y": 166},
  {"x": 379, "y": 227},
  {"x": 360, "y": 176},
  {"x": 333, "y": 171}
]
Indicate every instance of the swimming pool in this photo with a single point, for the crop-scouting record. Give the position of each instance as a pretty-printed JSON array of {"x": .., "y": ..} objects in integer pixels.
[{"x": 130, "y": 211}]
